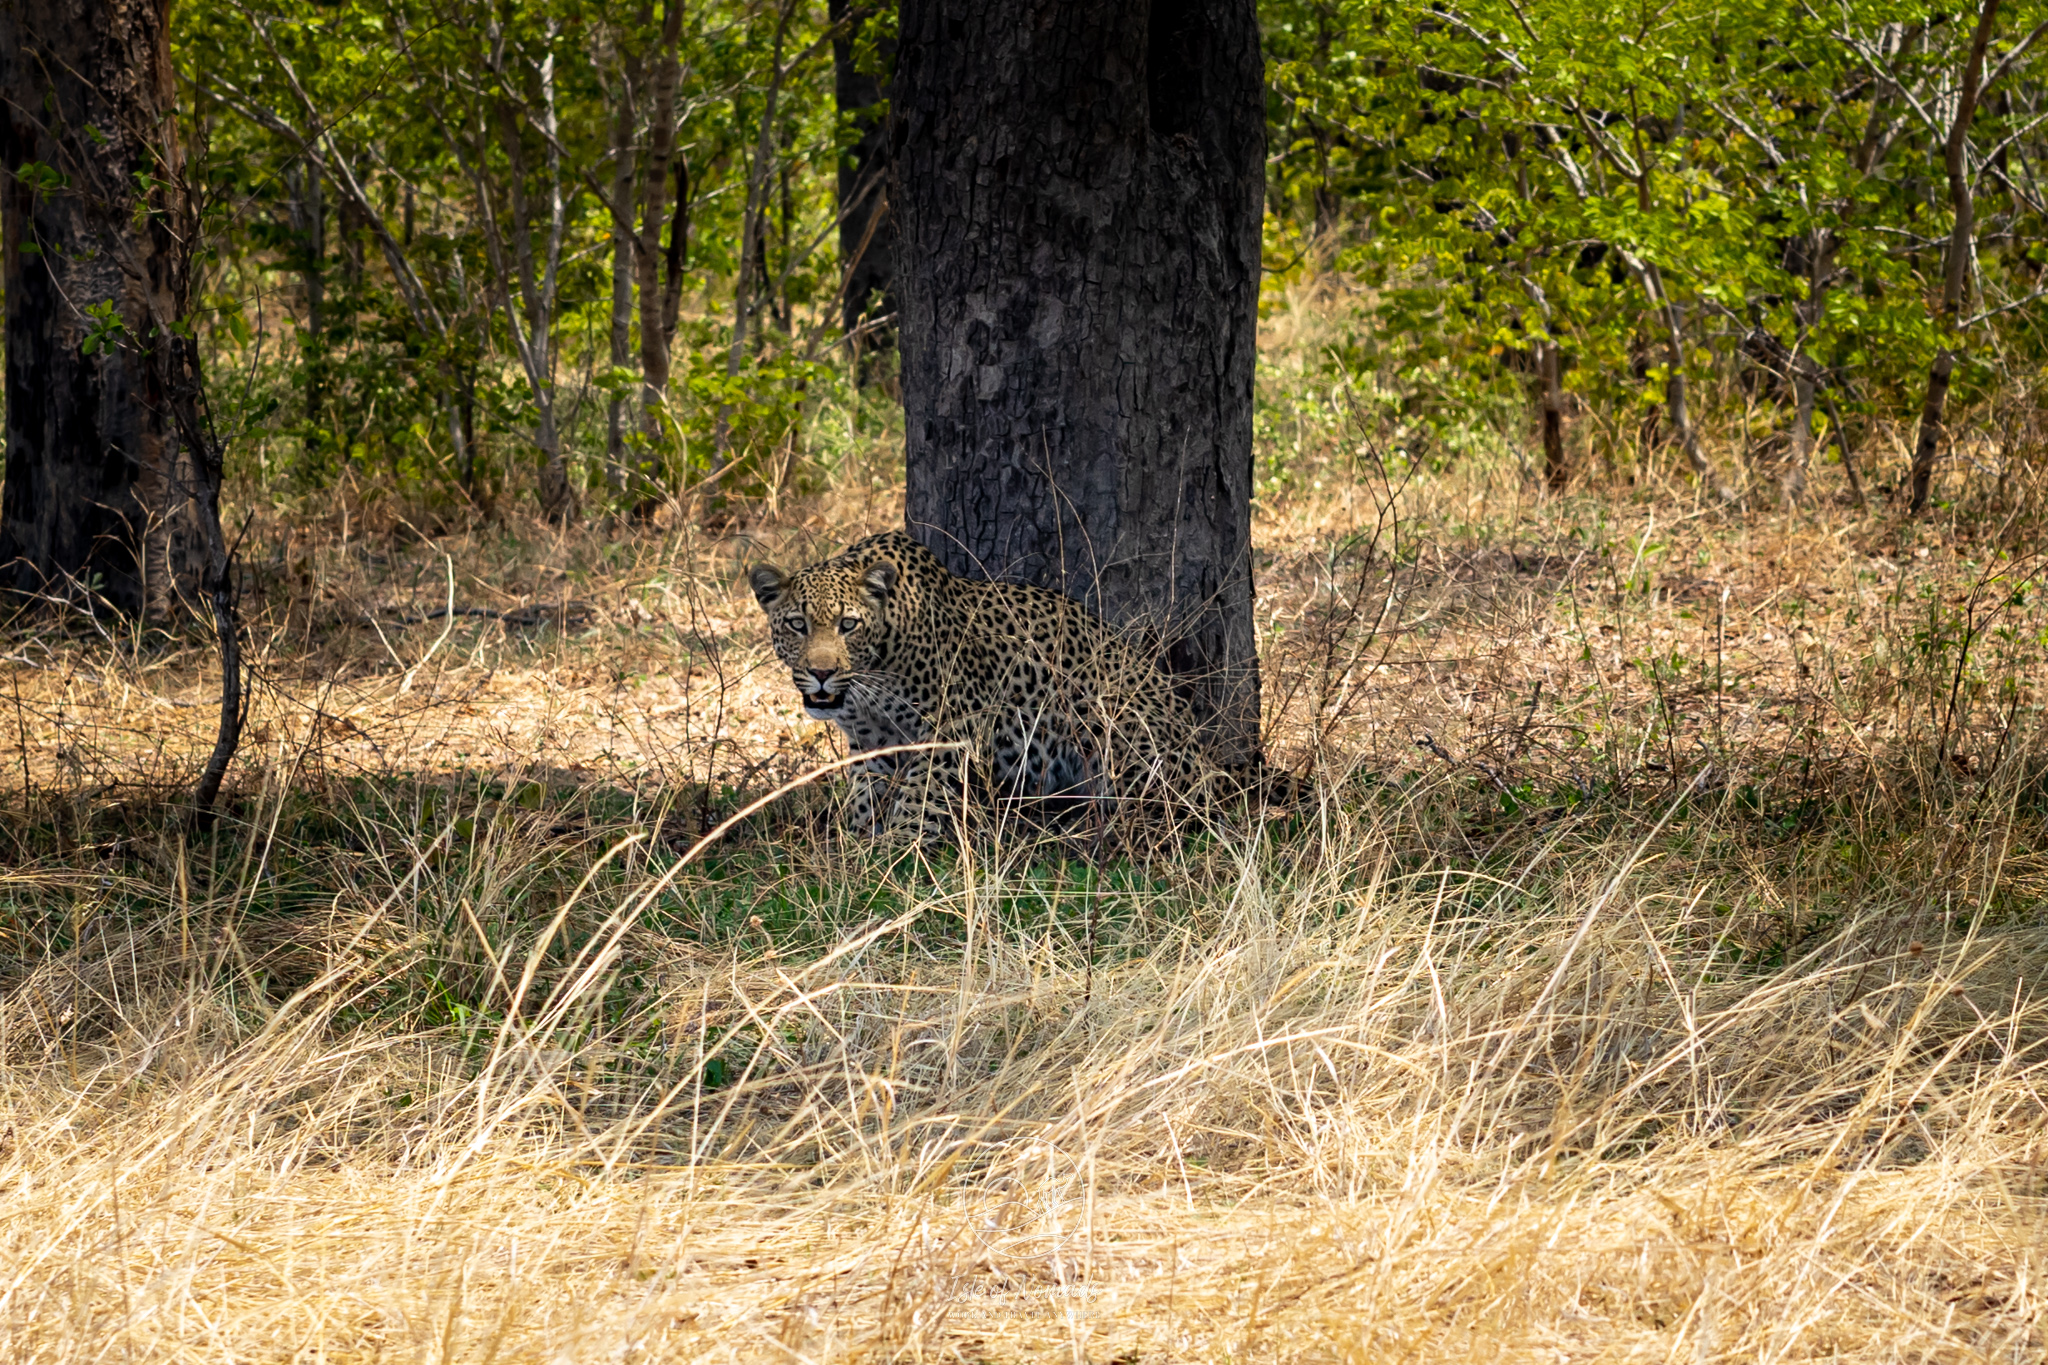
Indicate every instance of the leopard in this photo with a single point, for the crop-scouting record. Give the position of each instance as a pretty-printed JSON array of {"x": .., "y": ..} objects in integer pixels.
[{"x": 964, "y": 692}]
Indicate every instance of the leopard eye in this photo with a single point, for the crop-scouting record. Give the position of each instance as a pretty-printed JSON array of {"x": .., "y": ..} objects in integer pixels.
[
  {"x": 798, "y": 625},
  {"x": 848, "y": 624}
]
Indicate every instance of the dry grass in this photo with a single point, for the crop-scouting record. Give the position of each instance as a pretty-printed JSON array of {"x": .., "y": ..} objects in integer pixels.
[
  {"x": 1653, "y": 977},
  {"x": 1341, "y": 1114}
]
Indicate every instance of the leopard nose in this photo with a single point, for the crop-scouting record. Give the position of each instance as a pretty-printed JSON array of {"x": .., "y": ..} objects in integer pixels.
[{"x": 823, "y": 675}]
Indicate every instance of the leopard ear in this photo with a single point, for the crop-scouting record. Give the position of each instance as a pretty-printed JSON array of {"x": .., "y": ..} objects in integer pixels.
[
  {"x": 880, "y": 579},
  {"x": 768, "y": 583}
]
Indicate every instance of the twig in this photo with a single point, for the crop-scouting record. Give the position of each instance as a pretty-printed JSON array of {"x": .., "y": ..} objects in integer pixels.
[{"x": 523, "y": 617}]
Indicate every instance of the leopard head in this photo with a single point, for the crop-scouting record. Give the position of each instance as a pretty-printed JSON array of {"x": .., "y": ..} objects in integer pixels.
[{"x": 830, "y": 623}]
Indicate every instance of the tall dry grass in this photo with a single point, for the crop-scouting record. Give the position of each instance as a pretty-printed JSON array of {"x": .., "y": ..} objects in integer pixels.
[
  {"x": 1652, "y": 976},
  {"x": 1298, "y": 1105}
]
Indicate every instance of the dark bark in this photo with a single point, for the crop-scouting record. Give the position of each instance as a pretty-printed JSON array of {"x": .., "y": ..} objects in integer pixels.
[
  {"x": 1079, "y": 190},
  {"x": 676, "y": 257},
  {"x": 1928, "y": 443},
  {"x": 867, "y": 230},
  {"x": 107, "y": 497},
  {"x": 351, "y": 232},
  {"x": 1549, "y": 355},
  {"x": 1550, "y": 374},
  {"x": 309, "y": 226},
  {"x": 112, "y": 492},
  {"x": 1961, "y": 246},
  {"x": 1841, "y": 434}
]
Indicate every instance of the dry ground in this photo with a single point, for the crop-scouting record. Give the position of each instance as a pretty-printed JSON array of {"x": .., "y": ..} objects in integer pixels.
[
  {"x": 1644, "y": 633},
  {"x": 1651, "y": 978}
]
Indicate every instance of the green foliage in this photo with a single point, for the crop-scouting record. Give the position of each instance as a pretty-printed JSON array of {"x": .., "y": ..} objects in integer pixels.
[
  {"x": 1498, "y": 170},
  {"x": 41, "y": 178},
  {"x": 1651, "y": 190},
  {"x": 391, "y": 291},
  {"x": 105, "y": 328}
]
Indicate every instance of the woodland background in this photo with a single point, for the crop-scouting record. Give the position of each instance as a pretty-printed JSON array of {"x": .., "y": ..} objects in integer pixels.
[
  {"x": 440, "y": 238},
  {"x": 1651, "y": 973}
]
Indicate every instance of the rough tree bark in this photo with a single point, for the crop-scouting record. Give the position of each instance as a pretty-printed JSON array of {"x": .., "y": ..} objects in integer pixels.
[
  {"x": 1079, "y": 190},
  {"x": 112, "y": 489},
  {"x": 867, "y": 230},
  {"x": 112, "y": 494}
]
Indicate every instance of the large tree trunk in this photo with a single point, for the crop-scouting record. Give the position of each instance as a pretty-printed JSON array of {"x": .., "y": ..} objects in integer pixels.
[
  {"x": 867, "y": 230},
  {"x": 112, "y": 486},
  {"x": 1079, "y": 191}
]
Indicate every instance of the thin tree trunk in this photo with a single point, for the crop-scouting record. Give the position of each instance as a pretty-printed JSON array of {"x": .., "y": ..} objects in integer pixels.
[
  {"x": 1807, "y": 377},
  {"x": 350, "y": 229},
  {"x": 459, "y": 408},
  {"x": 617, "y": 458},
  {"x": 867, "y": 230},
  {"x": 558, "y": 497},
  {"x": 1675, "y": 407},
  {"x": 532, "y": 275},
  {"x": 1841, "y": 435},
  {"x": 309, "y": 224},
  {"x": 1549, "y": 357},
  {"x": 1671, "y": 314},
  {"x": 1079, "y": 192},
  {"x": 657, "y": 322},
  {"x": 1961, "y": 247},
  {"x": 1928, "y": 442},
  {"x": 677, "y": 257},
  {"x": 752, "y": 243},
  {"x": 1550, "y": 373},
  {"x": 1792, "y": 483},
  {"x": 778, "y": 290}
]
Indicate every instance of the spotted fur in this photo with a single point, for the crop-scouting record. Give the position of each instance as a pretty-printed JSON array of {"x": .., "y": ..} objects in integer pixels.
[{"x": 1034, "y": 695}]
